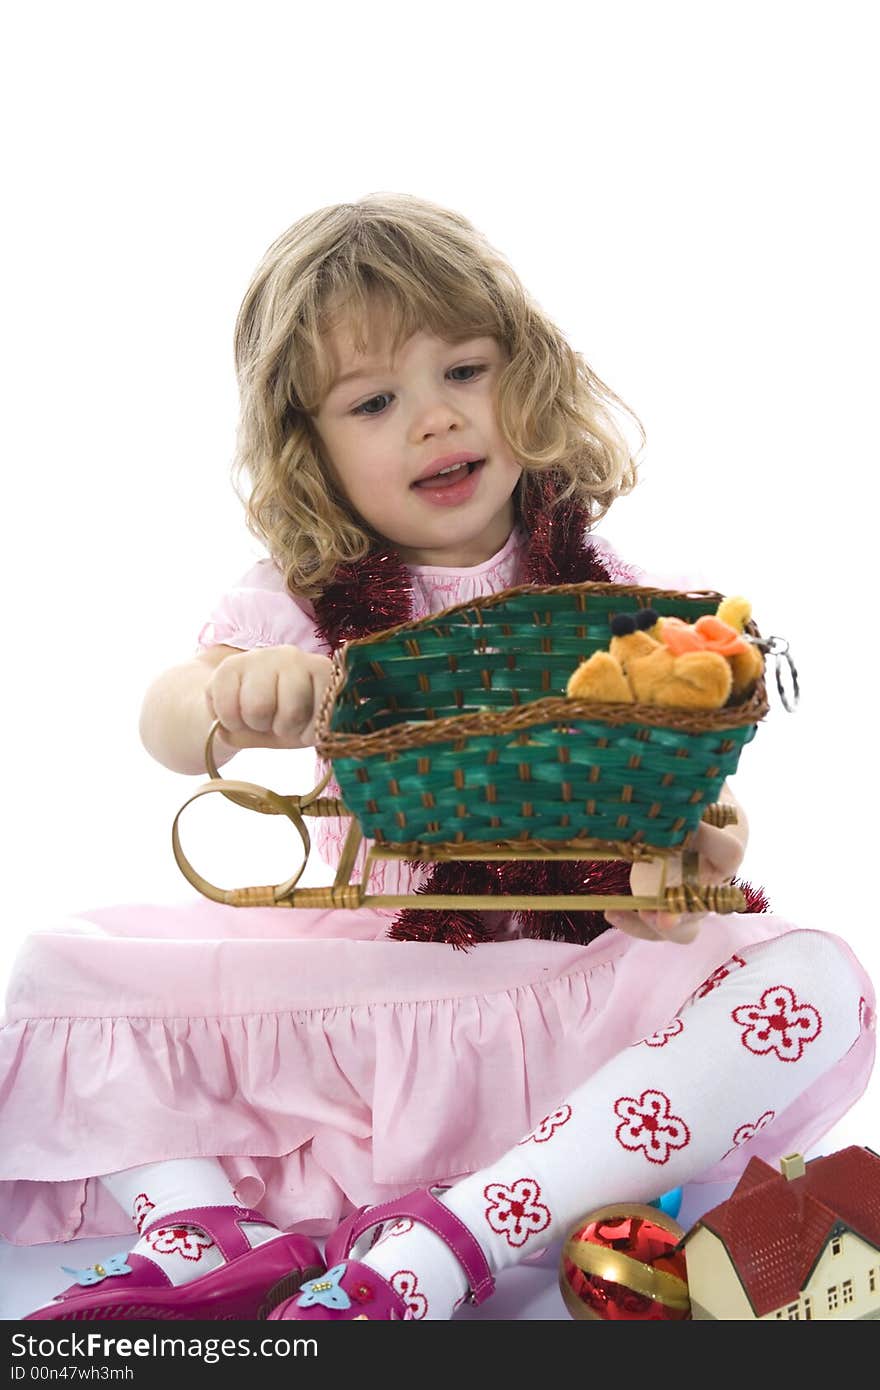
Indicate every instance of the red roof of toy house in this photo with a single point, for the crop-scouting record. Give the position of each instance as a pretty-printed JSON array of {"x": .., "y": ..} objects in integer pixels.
[{"x": 774, "y": 1228}]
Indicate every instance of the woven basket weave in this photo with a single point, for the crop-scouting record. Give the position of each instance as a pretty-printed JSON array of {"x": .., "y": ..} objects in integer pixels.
[{"x": 455, "y": 729}]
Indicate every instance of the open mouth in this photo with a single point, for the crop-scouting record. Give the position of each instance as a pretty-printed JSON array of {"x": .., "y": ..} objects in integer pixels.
[{"x": 448, "y": 477}]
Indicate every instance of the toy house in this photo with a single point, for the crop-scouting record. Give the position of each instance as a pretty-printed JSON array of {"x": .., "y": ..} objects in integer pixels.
[{"x": 803, "y": 1242}]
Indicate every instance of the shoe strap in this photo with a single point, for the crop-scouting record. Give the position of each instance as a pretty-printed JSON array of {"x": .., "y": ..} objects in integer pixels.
[
  {"x": 223, "y": 1225},
  {"x": 421, "y": 1206}
]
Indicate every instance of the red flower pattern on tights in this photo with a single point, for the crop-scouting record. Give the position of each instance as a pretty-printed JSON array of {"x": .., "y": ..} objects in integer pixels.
[
  {"x": 649, "y": 1124},
  {"x": 187, "y": 1241},
  {"x": 719, "y": 976},
  {"x": 399, "y": 1228},
  {"x": 662, "y": 1036},
  {"x": 545, "y": 1128},
  {"x": 516, "y": 1212},
  {"x": 779, "y": 1024},
  {"x": 406, "y": 1284},
  {"x": 141, "y": 1208},
  {"x": 749, "y": 1130}
]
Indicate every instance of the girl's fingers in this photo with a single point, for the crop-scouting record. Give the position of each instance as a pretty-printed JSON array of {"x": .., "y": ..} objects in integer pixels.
[
  {"x": 223, "y": 697},
  {"x": 269, "y": 697},
  {"x": 658, "y": 926},
  {"x": 721, "y": 853},
  {"x": 296, "y": 705},
  {"x": 317, "y": 673},
  {"x": 258, "y": 697},
  {"x": 632, "y": 924},
  {"x": 680, "y": 929}
]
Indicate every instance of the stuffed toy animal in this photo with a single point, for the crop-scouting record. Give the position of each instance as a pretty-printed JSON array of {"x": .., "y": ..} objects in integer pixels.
[
  {"x": 719, "y": 632},
  {"x": 665, "y": 661},
  {"x": 747, "y": 666}
]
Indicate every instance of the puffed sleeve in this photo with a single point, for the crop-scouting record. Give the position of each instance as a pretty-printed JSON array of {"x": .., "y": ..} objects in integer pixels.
[
  {"x": 625, "y": 572},
  {"x": 260, "y": 611},
  {"x": 620, "y": 571}
]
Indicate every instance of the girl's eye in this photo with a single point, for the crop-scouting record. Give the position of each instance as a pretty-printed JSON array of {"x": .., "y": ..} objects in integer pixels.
[{"x": 362, "y": 409}]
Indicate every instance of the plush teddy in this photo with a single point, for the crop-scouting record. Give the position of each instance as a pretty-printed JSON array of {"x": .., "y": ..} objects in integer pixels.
[
  {"x": 747, "y": 666},
  {"x": 665, "y": 661},
  {"x": 719, "y": 632}
]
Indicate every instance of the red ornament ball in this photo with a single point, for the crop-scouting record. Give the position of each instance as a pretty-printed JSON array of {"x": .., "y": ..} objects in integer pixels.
[{"x": 620, "y": 1263}]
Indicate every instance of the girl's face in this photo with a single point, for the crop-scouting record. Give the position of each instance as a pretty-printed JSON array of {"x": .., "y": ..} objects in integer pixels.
[{"x": 395, "y": 433}]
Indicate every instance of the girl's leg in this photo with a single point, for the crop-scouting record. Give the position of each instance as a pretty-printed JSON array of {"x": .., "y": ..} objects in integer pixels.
[
  {"x": 201, "y": 1254},
  {"x": 739, "y": 1051},
  {"x": 157, "y": 1191}
]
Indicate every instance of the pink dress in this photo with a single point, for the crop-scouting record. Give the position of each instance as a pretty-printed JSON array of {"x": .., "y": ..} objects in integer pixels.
[{"x": 324, "y": 1064}]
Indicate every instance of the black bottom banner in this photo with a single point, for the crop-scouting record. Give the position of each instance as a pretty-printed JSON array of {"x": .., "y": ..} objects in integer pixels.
[{"x": 267, "y": 1354}]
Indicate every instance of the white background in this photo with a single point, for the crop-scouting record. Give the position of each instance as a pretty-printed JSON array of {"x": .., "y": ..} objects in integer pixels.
[{"x": 688, "y": 189}]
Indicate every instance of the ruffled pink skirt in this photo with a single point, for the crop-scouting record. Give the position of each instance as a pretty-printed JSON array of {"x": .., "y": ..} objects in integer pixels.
[{"x": 322, "y": 1063}]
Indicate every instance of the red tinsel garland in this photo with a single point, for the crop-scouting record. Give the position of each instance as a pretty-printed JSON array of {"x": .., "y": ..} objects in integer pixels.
[
  {"x": 366, "y": 596},
  {"x": 376, "y": 593}
]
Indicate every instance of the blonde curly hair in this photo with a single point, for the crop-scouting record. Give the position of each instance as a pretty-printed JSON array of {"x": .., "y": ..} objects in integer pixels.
[{"x": 429, "y": 269}]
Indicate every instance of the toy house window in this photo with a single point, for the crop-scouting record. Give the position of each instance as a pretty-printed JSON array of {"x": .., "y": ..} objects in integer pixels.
[
  {"x": 833, "y": 1296},
  {"x": 847, "y": 1291},
  {"x": 808, "y": 1309},
  {"x": 794, "y": 1312},
  {"x": 835, "y": 1246},
  {"x": 872, "y": 1281}
]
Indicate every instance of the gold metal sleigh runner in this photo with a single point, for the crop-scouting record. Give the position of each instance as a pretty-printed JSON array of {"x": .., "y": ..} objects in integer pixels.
[
  {"x": 453, "y": 737},
  {"x": 689, "y": 896}
]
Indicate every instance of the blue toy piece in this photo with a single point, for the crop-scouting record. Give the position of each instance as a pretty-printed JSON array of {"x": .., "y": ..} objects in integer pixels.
[{"x": 670, "y": 1202}]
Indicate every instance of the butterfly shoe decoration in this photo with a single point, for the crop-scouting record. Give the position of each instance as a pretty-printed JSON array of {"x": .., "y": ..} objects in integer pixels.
[
  {"x": 326, "y": 1290},
  {"x": 115, "y": 1264}
]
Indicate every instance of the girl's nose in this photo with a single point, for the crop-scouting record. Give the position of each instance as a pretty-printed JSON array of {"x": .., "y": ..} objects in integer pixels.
[{"x": 435, "y": 413}]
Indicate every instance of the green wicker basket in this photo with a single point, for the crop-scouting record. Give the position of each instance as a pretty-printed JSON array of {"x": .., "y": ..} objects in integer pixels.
[{"x": 456, "y": 730}]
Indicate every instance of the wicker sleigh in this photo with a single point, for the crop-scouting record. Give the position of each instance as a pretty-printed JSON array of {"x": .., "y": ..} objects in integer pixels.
[{"x": 451, "y": 737}]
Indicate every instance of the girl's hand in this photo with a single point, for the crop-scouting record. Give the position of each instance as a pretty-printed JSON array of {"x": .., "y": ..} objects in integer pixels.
[
  {"x": 268, "y": 698},
  {"x": 721, "y": 852}
]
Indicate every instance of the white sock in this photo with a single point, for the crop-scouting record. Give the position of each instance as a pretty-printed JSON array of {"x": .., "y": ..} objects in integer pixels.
[
  {"x": 153, "y": 1191},
  {"x": 403, "y": 1248},
  {"x": 767, "y": 1024}
]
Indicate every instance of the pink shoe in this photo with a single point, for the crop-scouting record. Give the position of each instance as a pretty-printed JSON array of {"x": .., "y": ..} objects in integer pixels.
[
  {"x": 350, "y": 1290},
  {"x": 245, "y": 1287}
]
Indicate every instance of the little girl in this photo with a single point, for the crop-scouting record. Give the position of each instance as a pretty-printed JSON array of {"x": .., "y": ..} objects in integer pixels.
[{"x": 236, "y": 1081}]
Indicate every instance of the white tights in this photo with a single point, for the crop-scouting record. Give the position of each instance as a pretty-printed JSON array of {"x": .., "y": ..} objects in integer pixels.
[
  {"x": 747, "y": 1042},
  {"x": 755, "y": 1035}
]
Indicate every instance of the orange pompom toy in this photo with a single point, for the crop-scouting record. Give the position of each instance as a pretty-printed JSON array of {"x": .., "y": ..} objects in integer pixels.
[{"x": 707, "y": 634}]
